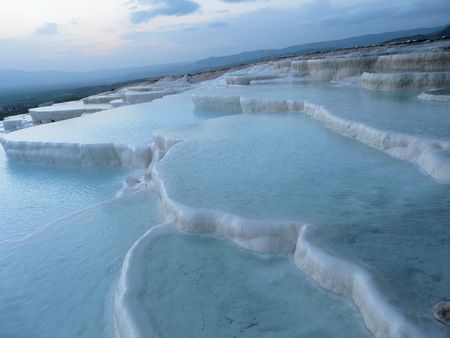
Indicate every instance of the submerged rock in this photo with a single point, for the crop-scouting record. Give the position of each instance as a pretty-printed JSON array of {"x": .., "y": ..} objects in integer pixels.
[{"x": 442, "y": 312}]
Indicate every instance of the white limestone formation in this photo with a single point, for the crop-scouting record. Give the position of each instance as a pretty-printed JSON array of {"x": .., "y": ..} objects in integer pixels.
[
  {"x": 381, "y": 317},
  {"x": 143, "y": 88},
  {"x": 405, "y": 80},
  {"x": 64, "y": 111},
  {"x": 17, "y": 122},
  {"x": 133, "y": 97},
  {"x": 333, "y": 68},
  {"x": 436, "y": 95},
  {"x": 102, "y": 98},
  {"x": 217, "y": 103},
  {"x": 246, "y": 79},
  {"x": 128, "y": 320},
  {"x": 117, "y": 103},
  {"x": 338, "y": 67},
  {"x": 79, "y": 154}
]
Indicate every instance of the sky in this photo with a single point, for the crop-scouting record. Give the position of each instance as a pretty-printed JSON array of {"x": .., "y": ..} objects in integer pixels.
[{"x": 80, "y": 35}]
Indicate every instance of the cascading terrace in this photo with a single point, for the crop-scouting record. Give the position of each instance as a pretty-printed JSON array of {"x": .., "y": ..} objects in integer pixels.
[
  {"x": 382, "y": 317},
  {"x": 432, "y": 156},
  {"x": 261, "y": 171}
]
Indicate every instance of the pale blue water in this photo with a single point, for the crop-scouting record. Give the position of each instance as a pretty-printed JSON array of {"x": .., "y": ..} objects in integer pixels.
[
  {"x": 396, "y": 111},
  {"x": 202, "y": 286},
  {"x": 61, "y": 281},
  {"x": 125, "y": 125},
  {"x": 368, "y": 207},
  {"x": 33, "y": 195}
]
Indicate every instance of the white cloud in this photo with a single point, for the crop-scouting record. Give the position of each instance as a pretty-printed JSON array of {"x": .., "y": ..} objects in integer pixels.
[
  {"x": 101, "y": 34},
  {"x": 49, "y": 28}
]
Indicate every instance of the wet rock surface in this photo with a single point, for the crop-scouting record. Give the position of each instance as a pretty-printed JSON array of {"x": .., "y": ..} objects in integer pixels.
[{"x": 442, "y": 312}]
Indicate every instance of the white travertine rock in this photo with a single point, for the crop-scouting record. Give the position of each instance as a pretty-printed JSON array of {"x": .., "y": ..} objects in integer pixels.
[
  {"x": 143, "y": 88},
  {"x": 405, "y": 80},
  {"x": 78, "y": 154},
  {"x": 132, "y": 97},
  {"x": 246, "y": 79},
  {"x": 16, "y": 122},
  {"x": 102, "y": 98},
  {"x": 217, "y": 103},
  {"x": 342, "y": 277},
  {"x": 435, "y": 95},
  {"x": 117, "y": 103},
  {"x": 64, "y": 111},
  {"x": 334, "y": 67}
]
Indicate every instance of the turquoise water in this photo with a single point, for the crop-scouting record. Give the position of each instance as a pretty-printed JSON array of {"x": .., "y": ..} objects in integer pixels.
[
  {"x": 33, "y": 195},
  {"x": 61, "y": 281},
  {"x": 210, "y": 287},
  {"x": 395, "y": 111},
  {"x": 368, "y": 207},
  {"x": 63, "y": 240},
  {"x": 125, "y": 125}
]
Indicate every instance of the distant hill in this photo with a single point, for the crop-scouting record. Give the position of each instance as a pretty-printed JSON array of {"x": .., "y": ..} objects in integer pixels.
[
  {"x": 423, "y": 36},
  {"x": 257, "y": 55},
  {"x": 14, "y": 80}
]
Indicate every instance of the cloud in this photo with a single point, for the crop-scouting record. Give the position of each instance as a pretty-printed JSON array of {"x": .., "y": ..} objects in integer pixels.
[
  {"x": 235, "y": 1},
  {"x": 217, "y": 24},
  {"x": 114, "y": 42},
  {"x": 49, "y": 28},
  {"x": 75, "y": 21},
  {"x": 154, "y": 8},
  {"x": 136, "y": 36},
  {"x": 381, "y": 11}
]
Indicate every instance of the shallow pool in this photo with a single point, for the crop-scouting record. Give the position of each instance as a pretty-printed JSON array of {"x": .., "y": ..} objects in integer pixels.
[
  {"x": 392, "y": 111},
  {"x": 367, "y": 207},
  {"x": 210, "y": 287},
  {"x": 127, "y": 125},
  {"x": 61, "y": 281},
  {"x": 33, "y": 195}
]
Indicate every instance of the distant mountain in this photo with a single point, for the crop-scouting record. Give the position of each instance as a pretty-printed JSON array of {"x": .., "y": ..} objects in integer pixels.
[
  {"x": 14, "y": 80},
  {"x": 424, "y": 36}
]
